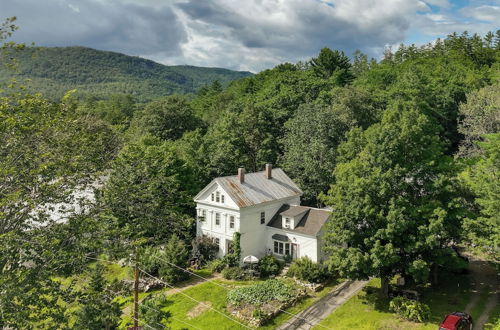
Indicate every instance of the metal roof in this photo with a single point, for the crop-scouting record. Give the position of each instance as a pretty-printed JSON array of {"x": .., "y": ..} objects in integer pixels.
[
  {"x": 280, "y": 237},
  {"x": 257, "y": 188}
]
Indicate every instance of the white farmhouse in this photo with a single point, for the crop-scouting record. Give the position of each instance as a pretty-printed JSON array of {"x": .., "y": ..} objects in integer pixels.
[{"x": 265, "y": 208}]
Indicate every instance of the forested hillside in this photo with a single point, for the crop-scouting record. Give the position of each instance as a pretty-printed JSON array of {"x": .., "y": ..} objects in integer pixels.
[
  {"x": 53, "y": 71},
  {"x": 405, "y": 151}
]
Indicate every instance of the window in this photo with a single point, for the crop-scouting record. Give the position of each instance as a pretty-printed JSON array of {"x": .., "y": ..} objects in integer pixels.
[
  {"x": 217, "y": 219},
  {"x": 212, "y": 197},
  {"x": 287, "y": 222},
  {"x": 217, "y": 241},
  {"x": 262, "y": 217},
  {"x": 217, "y": 197},
  {"x": 222, "y": 198},
  {"x": 231, "y": 222},
  {"x": 203, "y": 215},
  {"x": 281, "y": 248}
]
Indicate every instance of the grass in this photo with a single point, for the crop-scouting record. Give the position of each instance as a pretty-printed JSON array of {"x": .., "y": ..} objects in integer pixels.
[
  {"x": 494, "y": 320},
  {"x": 302, "y": 305},
  {"x": 211, "y": 292},
  {"x": 367, "y": 311}
]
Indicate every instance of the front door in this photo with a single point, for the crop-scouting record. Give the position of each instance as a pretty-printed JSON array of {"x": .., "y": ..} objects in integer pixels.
[{"x": 295, "y": 251}]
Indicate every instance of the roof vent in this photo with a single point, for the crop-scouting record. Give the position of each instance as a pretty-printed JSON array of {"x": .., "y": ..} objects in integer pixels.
[
  {"x": 269, "y": 171},
  {"x": 241, "y": 175}
]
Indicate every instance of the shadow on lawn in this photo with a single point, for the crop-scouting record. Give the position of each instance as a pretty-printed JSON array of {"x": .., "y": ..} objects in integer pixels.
[{"x": 451, "y": 294}]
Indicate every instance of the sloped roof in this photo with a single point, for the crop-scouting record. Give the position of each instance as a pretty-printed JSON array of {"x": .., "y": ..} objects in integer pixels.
[
  {"x": 309, "y": 224},
  {"x": 257, "y": 188},
  {"x": 294, "y": 211}
]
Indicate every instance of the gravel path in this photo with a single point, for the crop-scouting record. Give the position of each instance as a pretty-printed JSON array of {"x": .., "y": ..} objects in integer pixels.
[{"x": 324, "y": 307}]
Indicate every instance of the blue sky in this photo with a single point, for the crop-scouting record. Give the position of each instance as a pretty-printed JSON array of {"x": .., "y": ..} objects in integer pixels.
[{"x": 245, "y": 34}]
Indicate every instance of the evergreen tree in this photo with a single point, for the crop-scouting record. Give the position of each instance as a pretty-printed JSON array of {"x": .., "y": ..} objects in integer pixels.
[{"x": 99, "y": 310}]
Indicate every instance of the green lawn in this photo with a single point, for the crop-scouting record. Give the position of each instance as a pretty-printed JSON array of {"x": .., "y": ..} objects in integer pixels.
[
  {"x": 368, "y": 311},
  {"x": 210, "y": 293}
]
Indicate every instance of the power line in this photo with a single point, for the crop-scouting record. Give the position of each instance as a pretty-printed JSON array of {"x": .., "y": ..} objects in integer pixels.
[
  {"x": 181, "y": 292},
  {"x": 222, "y": 286},
  {"x": 200, "y": 302}
]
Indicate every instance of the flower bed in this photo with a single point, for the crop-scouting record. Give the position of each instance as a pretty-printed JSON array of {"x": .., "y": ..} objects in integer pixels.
[{"x": 259, "y": 302}]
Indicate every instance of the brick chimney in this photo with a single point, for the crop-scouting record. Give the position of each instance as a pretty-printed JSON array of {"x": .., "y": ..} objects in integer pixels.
[
  {"x": 269, "y": 171},
  {"x": 241, "y": 175}
]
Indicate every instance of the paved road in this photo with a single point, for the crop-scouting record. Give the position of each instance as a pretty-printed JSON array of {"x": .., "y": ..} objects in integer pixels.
[{"x": 324, "y": 307}]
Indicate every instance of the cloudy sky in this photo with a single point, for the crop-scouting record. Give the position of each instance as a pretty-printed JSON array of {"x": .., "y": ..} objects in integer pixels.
[{"x": 244, "y": 34}]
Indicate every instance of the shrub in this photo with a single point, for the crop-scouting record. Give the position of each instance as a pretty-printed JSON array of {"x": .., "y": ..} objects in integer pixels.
[
  {"x": 217, "y": 265},
  {"x": 233, "y": 273},
  {"x": 175, "y": 260},
  {"x": 150, "y": 259},
  {"x": 409, "y": 309},
  {"x": 152, "y": 312},
  {"x": 268, "y": 266},
  {"x": 204, "y": 250},
  {"x": 263, "y": 292},
  {"x": 305, "y": 269}
]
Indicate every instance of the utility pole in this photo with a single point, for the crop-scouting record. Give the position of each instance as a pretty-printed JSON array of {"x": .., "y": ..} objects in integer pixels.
[{"x": 136, "y": 293}]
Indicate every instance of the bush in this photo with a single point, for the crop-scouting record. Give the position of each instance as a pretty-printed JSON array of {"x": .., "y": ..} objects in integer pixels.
[
  {"x": 409, "y": 309},
  {"x": 217, "y": 265},
  {"x": 175, "y": 260},
  {"x": 263, "y": 292},
  {"x": 233, "y": 273},
  {"x": 150, "y": 259},
  {"x": 305, "y": 269},
  {"x": 268, "y": 266},
  {"x": 152, "y": 310},
  {"x": 204, "y": 250}
]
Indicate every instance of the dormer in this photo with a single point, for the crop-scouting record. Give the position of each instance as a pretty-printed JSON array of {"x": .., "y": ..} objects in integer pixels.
[{"x": 291, "y": 217}]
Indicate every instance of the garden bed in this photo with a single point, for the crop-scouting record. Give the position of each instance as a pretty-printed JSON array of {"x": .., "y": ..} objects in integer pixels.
[{"x": 260, "y": 302}]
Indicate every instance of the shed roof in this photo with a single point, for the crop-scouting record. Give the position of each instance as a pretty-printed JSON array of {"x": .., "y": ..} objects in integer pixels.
[
  {"x": 257, "y": 188},
  {"x": 309, "y": 224},
  {"x": 294, "y": 211}
]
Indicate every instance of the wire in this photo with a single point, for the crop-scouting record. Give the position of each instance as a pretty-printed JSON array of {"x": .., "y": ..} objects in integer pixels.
[
  {"x": 222, "y": 286},
  {"x": 175, "y": 318},
  {"x": 200, "y": 302},
  {"x": 181, "y": 292}
]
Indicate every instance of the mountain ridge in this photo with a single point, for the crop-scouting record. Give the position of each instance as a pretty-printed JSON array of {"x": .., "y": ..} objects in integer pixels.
[{"x": 54, "y": 70}]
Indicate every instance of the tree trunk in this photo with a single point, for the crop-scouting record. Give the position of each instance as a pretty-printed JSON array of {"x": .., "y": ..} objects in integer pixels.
[
  {"x": 435, "y": 273},
  {"x": 384, "y": 287}
]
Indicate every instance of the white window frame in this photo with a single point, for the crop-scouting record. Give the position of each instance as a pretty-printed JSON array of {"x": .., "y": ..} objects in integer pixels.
[
  {"x": 222, "y": 198},
  {"x": 217, "y": 197},
  {"x": 288, "y": 223},
  {"x": 262, "y": 217},
  {"x": 232, "y": 221},
  {"x": 217, "y": 219},
  {"x": 281, "y": 248}
]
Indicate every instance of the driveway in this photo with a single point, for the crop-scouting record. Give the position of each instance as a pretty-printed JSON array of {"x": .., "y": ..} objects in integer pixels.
[
  {"x": 484, "y": 279},
  {"x": 324, "y": 307}
]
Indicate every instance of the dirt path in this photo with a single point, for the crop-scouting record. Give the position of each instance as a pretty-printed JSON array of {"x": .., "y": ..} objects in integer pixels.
[
  {"x": 324, "y": 307},
  {"x": 484, "y": 279}
]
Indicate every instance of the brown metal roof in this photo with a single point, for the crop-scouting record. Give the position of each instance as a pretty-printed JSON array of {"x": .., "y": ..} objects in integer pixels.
[
  {"x": 258, "y": 189},
  {"x": 310, "y": 223}
]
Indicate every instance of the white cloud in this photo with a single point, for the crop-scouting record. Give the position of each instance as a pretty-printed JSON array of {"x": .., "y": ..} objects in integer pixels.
[
  {"x": 484, "y": 13},
  {"x": 247, "y": 34}
]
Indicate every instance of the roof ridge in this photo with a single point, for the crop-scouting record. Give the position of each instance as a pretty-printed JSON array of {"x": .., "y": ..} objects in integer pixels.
[{"x": 236, "y": 175}]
